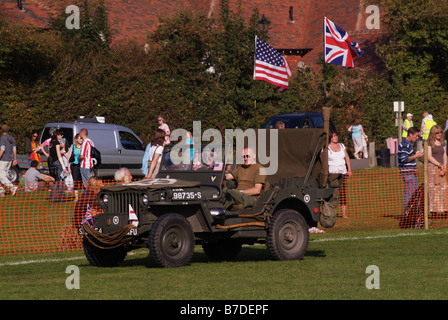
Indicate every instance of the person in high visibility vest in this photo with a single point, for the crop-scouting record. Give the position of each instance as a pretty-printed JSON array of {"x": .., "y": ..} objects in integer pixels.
[
  {"x": 428, "y": 123},
  {"x": 407, "y": 124}
]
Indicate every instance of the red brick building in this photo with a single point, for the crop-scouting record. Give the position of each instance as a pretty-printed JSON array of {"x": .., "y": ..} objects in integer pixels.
[{"x": 297, "y": 25}]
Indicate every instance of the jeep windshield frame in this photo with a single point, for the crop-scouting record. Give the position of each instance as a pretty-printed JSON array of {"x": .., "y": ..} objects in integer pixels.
[{"x": 205, "y": 164}]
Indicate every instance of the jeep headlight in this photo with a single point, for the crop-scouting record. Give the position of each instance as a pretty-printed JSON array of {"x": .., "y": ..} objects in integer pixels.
[
  {"x": 145, "y": 199},
  {"x": 163, "y": 196},
  {"x": 106, "y": 199}
]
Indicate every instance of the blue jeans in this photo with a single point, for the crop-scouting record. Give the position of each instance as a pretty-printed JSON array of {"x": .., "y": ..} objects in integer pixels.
[
  {"x": 58, "y": 167},
  {"x": 410, "y": 185}
]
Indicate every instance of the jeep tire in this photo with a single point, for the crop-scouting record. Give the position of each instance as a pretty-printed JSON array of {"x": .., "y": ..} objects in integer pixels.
[
  {"x": 103, "y": 257},
  {"x": 288, "y": 235},
  {"x": 171, "y": 241}
]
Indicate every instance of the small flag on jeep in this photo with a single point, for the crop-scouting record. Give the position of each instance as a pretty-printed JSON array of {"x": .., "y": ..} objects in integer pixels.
[
  {"x": 132, "y": 216},
  {"x": 88, "y": 218}
]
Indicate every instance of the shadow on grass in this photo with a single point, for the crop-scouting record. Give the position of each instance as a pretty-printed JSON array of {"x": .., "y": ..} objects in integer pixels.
[{"x": 247, "y": 254}]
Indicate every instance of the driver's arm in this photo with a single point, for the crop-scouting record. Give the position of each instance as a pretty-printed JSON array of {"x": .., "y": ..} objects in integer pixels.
[{"x": 255, "y": 190}]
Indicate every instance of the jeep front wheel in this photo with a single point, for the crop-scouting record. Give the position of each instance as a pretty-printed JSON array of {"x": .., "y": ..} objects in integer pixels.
[
  {"x": 288, "y": 235},
  {"x": 103, "y": 257},
  {"x": 171, "y": 241}
]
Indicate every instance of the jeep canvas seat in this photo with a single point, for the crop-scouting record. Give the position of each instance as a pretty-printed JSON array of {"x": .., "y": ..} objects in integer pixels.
[{"x": 301, "y": 159}]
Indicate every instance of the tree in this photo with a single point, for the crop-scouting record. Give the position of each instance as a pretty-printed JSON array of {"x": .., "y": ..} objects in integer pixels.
[
  {"x": 94, "y": 34},
  {"x": 416, "y": 53},
  {"x": 207, "y": 65}
]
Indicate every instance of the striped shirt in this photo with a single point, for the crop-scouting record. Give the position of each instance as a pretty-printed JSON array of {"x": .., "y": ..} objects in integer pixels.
[
  {"x": 406, "y": 150},
  {"x": 86, "y": 149}
]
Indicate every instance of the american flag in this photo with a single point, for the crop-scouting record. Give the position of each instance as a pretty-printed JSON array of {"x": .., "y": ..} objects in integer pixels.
[
  {"x": 270, "y": 65},
  {"x": 339, "y": 49},
  {"x": 88, "y": 216}
]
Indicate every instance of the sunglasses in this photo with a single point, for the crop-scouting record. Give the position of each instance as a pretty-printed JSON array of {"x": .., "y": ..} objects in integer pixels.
[{"x": 246, "y": 156}]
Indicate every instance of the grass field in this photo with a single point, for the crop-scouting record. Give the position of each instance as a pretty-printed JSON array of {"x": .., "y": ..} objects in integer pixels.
[
  {"x": 412, "y": 264},
  {"x": 30, "y": 224}
]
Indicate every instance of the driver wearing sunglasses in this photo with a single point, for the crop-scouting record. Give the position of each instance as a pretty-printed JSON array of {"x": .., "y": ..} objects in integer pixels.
[{"x": 249, "y": 180}]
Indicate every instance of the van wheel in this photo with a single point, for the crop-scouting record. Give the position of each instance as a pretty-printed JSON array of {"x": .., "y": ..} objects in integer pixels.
[
  {"x": 171, "y": 241},
  {"x": 13, "y": 174},
  {"x": 288, "y": 235}
]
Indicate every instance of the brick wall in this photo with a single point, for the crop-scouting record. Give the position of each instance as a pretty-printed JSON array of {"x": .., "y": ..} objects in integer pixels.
[{"x": 134, "y": 19}]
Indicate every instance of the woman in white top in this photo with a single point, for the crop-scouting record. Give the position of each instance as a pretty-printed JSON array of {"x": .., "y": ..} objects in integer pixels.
[
  {"x": 155, "y": 153},
  {"x": 339, "y": 163}
]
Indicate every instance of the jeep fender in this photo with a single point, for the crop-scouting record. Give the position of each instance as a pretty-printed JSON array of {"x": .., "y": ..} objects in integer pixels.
[{"x": 295, "y": 203}]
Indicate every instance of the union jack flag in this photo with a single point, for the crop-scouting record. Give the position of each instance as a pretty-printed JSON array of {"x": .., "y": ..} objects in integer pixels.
[
  {"x": 88, "y": 218},
  {"x": 339, "y": 49},
  {"x": 271, "y": 66}
]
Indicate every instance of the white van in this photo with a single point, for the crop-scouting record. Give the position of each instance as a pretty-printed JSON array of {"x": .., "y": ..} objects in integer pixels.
[{"x": 119, "y": 146}]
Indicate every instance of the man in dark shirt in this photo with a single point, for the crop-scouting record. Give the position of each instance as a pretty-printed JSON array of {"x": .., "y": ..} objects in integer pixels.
[{"x": 407, "y": 164}]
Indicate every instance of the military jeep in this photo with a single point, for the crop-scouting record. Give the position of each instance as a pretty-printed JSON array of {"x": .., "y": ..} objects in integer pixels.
[{"x": 183, "y": 207}]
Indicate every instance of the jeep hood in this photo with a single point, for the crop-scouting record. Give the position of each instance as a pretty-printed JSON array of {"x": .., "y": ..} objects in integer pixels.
[{"x": 154, "y": 184}]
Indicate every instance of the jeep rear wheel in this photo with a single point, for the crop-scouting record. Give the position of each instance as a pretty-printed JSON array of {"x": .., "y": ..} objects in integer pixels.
[
  {"x": 288, "y": 235},
  {"x": 171, "y": 241}
]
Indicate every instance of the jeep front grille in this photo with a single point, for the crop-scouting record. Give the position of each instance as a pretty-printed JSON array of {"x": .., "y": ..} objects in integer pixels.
[{"x": 119, "y": 201}]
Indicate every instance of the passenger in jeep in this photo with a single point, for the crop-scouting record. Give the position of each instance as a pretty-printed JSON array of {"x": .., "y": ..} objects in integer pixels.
[
  {"x": 249, "y": 179},
  {"x": 123, "y": 175}
]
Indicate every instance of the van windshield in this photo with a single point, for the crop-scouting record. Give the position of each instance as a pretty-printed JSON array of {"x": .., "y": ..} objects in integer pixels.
[
  {"x": 129, "y": 141},
  {"x": 67, "y": 134}
]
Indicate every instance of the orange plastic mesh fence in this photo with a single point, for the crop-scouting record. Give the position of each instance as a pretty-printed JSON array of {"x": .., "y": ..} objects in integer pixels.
[{"x": 30, "y": 223}]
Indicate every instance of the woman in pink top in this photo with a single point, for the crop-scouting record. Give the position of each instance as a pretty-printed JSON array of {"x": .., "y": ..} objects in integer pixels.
[{"x": 164, "y": 127}]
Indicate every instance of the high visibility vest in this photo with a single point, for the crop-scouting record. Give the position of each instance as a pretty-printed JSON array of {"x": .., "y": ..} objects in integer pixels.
[
  {"x": 428, "y": 126},
  {"x": 408, "y": 124}
]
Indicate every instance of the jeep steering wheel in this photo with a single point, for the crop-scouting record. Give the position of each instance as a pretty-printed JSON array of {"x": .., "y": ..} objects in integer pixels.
[{"x": 231, "y": 184}]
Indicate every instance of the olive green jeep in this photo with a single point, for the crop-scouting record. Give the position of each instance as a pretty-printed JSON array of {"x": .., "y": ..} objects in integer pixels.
[{"x": 183, "y": 207}]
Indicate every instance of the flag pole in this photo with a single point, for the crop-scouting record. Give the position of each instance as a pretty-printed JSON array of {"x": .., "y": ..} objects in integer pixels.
[
  {"x": 324, "y": 68},
  {"x": 255, "y": 84},
  {"x": 326, "y": 114}
]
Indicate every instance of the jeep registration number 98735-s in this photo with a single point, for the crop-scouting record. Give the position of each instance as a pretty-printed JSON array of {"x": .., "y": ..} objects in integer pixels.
[{"x": 186, "y": 195}]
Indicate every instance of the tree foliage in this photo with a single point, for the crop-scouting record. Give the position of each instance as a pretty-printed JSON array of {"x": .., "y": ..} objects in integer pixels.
[
  {"x": 197, "y": 67},
  {"x": 416, "y": 54}
]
